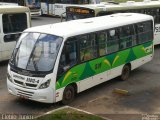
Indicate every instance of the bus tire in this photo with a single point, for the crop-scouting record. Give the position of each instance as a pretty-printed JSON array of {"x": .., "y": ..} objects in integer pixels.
[
  {"x": 68, "y": 95},
  {"x": 125, "y": 72}
]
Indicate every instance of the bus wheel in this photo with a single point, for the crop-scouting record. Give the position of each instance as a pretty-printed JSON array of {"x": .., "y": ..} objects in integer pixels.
[
  {"x": 68, "y": 94},
  {"x": 125, "y": 72}
]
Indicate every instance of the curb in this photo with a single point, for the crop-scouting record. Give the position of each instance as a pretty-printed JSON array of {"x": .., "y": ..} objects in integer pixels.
[{"x": 49, "y": 112}]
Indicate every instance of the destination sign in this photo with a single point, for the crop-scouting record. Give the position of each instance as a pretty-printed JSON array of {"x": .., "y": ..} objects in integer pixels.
[{"x": 78, "y": 10}]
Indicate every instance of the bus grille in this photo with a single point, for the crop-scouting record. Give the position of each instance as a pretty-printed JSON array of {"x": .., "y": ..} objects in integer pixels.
[
  {"x": 23, "y": 93},
  {"x": 26, "y": 85},
  {"x": 18, "y": 82},
  {"x": 31, "y": 85}
]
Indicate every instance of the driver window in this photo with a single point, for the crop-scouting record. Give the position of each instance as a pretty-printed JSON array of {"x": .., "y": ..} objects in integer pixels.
[{"x": 68, "y": 56}]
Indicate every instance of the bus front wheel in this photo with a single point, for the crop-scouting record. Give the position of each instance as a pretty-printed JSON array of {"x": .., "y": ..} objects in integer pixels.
[
  {"x": 68, "y": 95},
  {"x": 125, "y": 72}
]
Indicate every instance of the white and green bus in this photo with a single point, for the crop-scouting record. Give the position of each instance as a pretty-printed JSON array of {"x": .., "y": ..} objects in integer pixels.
[
  {"x": 53, "y": 62},
  {"x": 13, "y": 21},
  {"x": 145, "y": 7}
]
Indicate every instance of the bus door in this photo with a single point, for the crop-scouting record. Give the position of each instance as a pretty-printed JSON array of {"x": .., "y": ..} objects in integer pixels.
[
  {"x": 51, "y": 8},
  {"x": 45, "y": 6}
]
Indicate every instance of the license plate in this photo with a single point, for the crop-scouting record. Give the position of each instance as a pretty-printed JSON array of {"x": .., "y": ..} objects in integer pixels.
[{"x": 24, "y": 97}]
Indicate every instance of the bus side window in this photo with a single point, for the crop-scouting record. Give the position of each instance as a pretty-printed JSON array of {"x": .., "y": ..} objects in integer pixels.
[
  {"x": 102, "y": 42},
  {"x": 144, "y": 31},
  {"x": 68, "y": 56},
  {"x": 113, "y": 41},
  {"x": 127, "y": 37},
  {"x": 88, "y": 47}
]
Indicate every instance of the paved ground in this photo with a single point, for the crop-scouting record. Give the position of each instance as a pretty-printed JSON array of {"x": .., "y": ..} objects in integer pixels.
[
  {"x": 44, "y": 20},
  {"x": 143, "y": 84},
  {"x": 144, "y": 88}
]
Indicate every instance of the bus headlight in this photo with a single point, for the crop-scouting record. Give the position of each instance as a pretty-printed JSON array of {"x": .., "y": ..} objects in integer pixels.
[
  {"x": 9, "y": 77},
  {"x": 45, "y": 84}
]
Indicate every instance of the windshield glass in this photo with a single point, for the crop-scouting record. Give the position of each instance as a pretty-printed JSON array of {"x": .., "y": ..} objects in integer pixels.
[
  {"x": 33, "y": 3},
  {"x": 36, "y": 52}
]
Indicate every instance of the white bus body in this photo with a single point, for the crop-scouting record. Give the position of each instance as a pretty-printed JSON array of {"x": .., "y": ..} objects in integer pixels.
[
  {"x": 35, "y": 83},
  {"x": 10, "y": 31}
]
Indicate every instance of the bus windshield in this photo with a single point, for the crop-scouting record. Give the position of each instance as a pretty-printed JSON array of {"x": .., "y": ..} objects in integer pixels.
[
  {"x": 36, "y": 52},
  {"x": 33, "y": 3}
]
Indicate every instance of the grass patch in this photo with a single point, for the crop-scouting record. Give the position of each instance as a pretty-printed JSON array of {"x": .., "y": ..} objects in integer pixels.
[{"x": 68, "y": 114}]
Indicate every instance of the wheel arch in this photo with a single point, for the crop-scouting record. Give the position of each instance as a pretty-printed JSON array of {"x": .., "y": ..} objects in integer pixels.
[{"x": 74, "y": 84}]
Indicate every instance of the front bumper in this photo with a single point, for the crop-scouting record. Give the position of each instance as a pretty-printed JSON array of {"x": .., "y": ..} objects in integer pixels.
[
  {"x": 40, "y": 95},
  {"x": 35, "y": 14}
]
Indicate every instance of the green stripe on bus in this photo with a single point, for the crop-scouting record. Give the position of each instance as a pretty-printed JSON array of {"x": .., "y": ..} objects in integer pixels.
[{"x": 99, "y": 65}]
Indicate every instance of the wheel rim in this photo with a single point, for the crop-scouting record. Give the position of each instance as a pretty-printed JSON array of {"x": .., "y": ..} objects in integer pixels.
[{"x": 68, "y": 95}]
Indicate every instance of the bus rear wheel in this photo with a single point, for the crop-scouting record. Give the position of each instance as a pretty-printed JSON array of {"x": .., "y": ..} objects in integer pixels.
[
  {"x": 68, "y": 95},
  {"x": 125, "y": 72}
]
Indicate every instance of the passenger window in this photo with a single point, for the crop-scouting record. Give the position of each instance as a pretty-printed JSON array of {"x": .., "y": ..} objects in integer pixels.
[
  {"x": 127, "y": 38},
  {"x": 88, "y": 47},
  {"x": 68, "y": 56},
  {"x": 145, "y": 32},
  {"x": 102, "y": 42},
  {"x": 113, "y": 41}
]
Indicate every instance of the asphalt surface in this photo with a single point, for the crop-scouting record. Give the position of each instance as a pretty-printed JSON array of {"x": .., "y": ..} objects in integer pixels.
[{"x": 145, "y": 78}]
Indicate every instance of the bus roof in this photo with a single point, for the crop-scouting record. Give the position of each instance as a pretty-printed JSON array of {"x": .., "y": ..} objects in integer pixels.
[
  {"x": 82, "y": 26},
  {"x": 13, "y": 9},
  {"x": 121, "y": 6}
]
